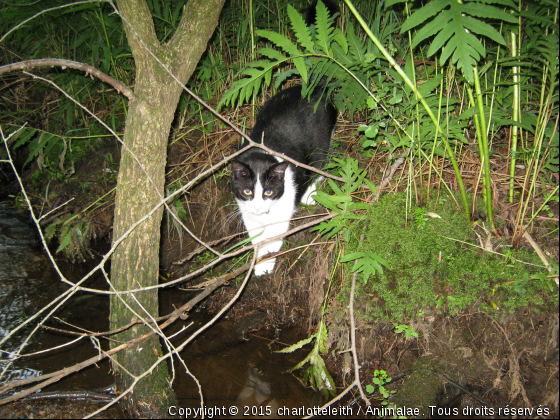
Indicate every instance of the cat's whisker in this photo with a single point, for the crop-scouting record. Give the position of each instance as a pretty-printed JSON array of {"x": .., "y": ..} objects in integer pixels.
[{"x": 233, "y": 217}]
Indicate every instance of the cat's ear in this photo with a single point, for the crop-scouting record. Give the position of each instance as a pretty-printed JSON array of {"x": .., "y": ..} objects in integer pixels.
[
  {"x": 278, "y": 170},
  {"x": 239, "y": 169}
]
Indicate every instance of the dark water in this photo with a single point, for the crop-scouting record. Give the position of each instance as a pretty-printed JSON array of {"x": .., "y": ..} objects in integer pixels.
[
  {"x": 28, "y": 282},
  {"x": 233, "y": 368}
]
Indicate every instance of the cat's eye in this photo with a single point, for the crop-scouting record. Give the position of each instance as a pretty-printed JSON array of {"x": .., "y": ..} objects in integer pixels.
[
  {"x": 247, "y": 191},
  {"x": 268, "y": 193}
]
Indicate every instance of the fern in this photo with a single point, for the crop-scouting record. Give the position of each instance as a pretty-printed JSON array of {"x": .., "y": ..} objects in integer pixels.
[
  {"x": 367, "y": 263},
  {"x": 323, "y": 51},
  {"x": 324, "y": 32},
  {"x": 453, "y": 24},
  {"x": 316, "y": 373},
  {"x": 341, "y": 201},
  {"x": 302, "y": 32}
]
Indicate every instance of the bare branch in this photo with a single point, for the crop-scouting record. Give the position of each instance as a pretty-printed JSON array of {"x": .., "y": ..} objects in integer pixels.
[{"x": 57, "y": 62}]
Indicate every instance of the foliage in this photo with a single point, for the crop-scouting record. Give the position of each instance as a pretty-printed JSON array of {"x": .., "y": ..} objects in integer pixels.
[
  {"x": 58, "y": 133},
  {"x": 407, "y": 329},
  {"x": 433, "y": 268},
  {"x": 74, "y": 233},
  {"x": 379, "y": 381},
  {"x": 454, "y": 24},
  {"x": 341, "y": 202},
  {"x": 316, "y": 373},
  {"x": 320, "y": 53},
  {"x": 366, "y": 263}
]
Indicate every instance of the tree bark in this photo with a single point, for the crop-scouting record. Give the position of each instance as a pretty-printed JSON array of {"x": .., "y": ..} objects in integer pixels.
[{"x": 140, "y": 187}]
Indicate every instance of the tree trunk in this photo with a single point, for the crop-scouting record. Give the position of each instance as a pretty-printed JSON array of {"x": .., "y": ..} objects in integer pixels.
[{"x": 140, "y": 188}]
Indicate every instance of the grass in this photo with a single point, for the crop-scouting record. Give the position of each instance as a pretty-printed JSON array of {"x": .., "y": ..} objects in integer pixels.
[{"x": 434, "y": 268}]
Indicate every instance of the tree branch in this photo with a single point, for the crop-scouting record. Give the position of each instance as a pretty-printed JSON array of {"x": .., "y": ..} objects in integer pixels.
[{"x": 57, "y": 62}]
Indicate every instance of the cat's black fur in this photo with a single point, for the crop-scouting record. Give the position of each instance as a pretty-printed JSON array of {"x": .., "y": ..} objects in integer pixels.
[
  {"x": 311, "y": 11},
  {"x": 291, "y": 127}
]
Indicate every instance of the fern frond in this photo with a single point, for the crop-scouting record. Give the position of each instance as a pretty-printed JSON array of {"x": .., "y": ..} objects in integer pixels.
[
  {"x": 356, "y": 46},
  {"x": 281, "y": 77},
  {"x": 301, "y": 30},
  {"x": 288, "y": 46},
  {"x": 454, "y": 22},
  {"x": 272, "y": 54},
  {"x": 323, "y": 28},
  {"x": 340, "y": 39},
  {"x": 242, "y": 89},
  {"x": 280, "y": 41}
]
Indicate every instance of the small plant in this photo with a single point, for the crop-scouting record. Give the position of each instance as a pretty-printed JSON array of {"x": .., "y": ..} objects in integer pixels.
[
  {"x": 379, "y": 381},
  {"x": 366, "y": 262},
  {"x": 316, "y": 374},
  {"x": 75, "y": 235},
  {"x": 342, "y": 202},
  {"x": 420, "y": 217},
  {"x": 407, "y": 329}
]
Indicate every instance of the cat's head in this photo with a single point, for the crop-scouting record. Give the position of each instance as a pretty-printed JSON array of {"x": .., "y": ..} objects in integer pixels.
[{"x": 258, "y": 182}]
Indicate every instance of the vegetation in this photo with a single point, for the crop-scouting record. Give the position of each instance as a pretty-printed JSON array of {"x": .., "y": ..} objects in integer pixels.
[
  {"x": 437, "y": 264},
  {"x": 461, "y": 96},
  {"x": 429, "y": 113}
]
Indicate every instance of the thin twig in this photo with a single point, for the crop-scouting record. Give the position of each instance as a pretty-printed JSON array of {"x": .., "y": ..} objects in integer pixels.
[
  {"x": 353, "y": 340},
  {"x": 387, "y": 178}
]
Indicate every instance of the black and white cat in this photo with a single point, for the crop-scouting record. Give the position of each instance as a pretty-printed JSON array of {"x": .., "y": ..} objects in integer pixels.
[{"x": 268, "y": 189}]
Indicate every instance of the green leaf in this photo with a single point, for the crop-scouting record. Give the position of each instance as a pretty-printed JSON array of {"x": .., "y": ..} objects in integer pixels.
[
  {"x": 272, "y": 54},
  {"x": 352, "y": 256},
  {"x": 298, "y": 345},
  {"x": 301, "y": 30},
  {"x": 423, "y": 14},
  {"x": 280, "y": 78},
  {"x": 484, "y": 29},
  {"x": 490, "y": 12},
  {"x": 66, "y": 237},
  {"x": 427, "y": 87},
  {"x": 323, "y": 29},
  {"x": 356, "y": 45},
  {"x": 299, "y": 62},
  {"x": 454, "y": 23},
  {"x": 280, "y": 41},
  {"x": 340, "y": 39},
  {"x": 22, "y": 136}
]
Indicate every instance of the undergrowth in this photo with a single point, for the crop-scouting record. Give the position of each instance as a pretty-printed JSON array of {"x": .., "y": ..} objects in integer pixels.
[{"x": 435, "y": 263}]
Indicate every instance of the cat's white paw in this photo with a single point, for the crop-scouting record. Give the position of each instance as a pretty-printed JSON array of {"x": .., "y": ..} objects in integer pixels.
[
  {"x": 308, "y": 196},
  {"x": 310, "y": 192},
  {"x": 308, "y": 199},
  {"x": 266, "y": 267}
]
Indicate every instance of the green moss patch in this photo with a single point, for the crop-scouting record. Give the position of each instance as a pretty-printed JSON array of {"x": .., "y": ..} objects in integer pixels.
[{"x": 435, "y": 264}]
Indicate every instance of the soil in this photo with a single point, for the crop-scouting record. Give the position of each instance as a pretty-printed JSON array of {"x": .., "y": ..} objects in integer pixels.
[{"x": 466, "y": 364}]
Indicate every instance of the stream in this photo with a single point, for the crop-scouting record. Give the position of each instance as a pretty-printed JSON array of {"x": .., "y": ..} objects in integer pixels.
[{"x": 233, "y": 367}]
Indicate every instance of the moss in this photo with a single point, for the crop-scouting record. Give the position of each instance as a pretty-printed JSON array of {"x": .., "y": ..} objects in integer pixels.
[
  {"x": 432, "y": 268},
  {"x": 422, "y": 388}
]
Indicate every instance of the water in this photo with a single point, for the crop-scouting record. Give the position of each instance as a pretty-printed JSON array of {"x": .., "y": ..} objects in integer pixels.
[
  {"x": 28, "y": 282},
  {"x": 233, "y": 368}
]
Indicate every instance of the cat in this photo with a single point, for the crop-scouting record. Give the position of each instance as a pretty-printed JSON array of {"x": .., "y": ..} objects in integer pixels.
[
  {"x": 311, "y": 11},
  {"x": 267, "y": 188}
]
